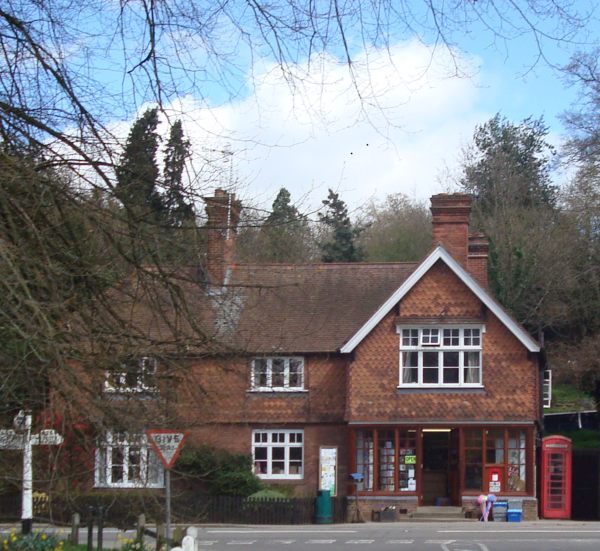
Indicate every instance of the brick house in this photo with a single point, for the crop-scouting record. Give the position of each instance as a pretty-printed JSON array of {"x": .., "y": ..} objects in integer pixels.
[{"x": 408, "y": 373}]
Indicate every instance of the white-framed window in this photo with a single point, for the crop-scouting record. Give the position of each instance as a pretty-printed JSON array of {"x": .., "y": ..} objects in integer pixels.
[
  {"x": 547, "y": 388},
  {"x": 135, "y": 375},
  {"x": 278, "y": 454},
  {"x": 125, "y": 460},
  {"x": 277, "y": 373},
  {"x": 440, "y": 356}
]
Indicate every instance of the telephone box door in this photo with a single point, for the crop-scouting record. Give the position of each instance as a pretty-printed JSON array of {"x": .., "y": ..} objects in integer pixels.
[{"x": 556, "y": 477}]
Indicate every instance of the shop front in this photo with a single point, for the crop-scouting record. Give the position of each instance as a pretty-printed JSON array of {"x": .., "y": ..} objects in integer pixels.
[{"x": 443, "y": 465}]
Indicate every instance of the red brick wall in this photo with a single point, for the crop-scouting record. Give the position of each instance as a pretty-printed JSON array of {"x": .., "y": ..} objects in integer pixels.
[
  {"x": 216, "y": 390},
  {"x": 238, "y": 438},
  {"x": 450, "y": 223},
  {"x": 509, "y": 375},
  {"x": 478, "y": 268}
]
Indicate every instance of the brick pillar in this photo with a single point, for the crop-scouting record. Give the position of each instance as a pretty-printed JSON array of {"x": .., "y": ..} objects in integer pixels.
[
  {"x": 450, "y": 217},
  {"x": 477, "y": 261},
  {"x": 223, "y": 212}
]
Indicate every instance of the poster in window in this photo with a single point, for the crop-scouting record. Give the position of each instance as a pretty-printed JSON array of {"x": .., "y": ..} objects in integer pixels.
[{"x": 328, "y": 468}]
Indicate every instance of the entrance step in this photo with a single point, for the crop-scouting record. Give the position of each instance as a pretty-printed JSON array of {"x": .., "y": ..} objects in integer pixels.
[{"x": 438, "y": 513}]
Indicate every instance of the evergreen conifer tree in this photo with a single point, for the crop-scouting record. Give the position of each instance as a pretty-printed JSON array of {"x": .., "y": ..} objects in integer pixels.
[
  {"x": 341, "y": 245},
  {"x": 137, "y": 172},
  {"x": 177, "y": 151}
]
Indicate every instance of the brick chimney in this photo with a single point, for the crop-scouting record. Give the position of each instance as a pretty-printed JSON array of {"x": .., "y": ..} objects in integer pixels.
[
  {"x": 477, "y": 260},
  {"x": 223, "y": 212},
  {"x": 450, "y": 217}
]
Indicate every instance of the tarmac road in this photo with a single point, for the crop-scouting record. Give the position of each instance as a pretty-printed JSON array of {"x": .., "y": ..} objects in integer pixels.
[{"x": 409, "y": 536}]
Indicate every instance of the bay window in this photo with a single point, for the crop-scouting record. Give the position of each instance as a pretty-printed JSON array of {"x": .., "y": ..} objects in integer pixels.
[{"x": 440, "y": 356}]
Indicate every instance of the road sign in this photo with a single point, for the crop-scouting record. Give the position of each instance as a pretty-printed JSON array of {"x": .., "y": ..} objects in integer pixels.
[
  {"x": 167, "y": 444},
  {"x": 47, "y": 437},
  {"x": 10, "y": 440}
]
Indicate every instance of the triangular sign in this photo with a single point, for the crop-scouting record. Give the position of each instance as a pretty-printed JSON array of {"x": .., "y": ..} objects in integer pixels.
[{"x": 167, "y": 444}]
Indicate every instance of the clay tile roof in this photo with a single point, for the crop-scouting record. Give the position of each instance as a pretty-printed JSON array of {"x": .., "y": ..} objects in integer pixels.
[
  {"x": 313, "y": 307},
  {"x": 270, "y": 308}
]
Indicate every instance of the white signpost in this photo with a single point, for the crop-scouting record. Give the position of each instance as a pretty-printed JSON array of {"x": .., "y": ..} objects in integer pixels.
[
  {"x": 20, "y": 438},
  {"x": 167, "y": 444}
]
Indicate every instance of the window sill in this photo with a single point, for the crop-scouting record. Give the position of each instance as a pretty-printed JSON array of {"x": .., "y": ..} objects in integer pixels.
[
  {"x": 131, "y": 395},
  {"x": 476, "y": 389},
  {"x": 280, "y": 476},
  {"x": 277, "y": 391},
  {"x": 130, "y": 486}
]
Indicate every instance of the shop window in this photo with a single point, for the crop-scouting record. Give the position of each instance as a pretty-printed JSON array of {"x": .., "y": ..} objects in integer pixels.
[
  {"x": 387, "y": 459},
  {"x": 503, "y": 451},
  {"x": 517, "y": 464},
  {"x": 407, "y": 460},
  {"x": 495, "y": 447},
  {"x": 473, "y": 459},
  {"x": 396, "y": 452},
  {"x": 364, "y": 458}
]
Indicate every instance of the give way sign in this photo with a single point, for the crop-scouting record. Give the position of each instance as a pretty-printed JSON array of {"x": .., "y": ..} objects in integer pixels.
[{"x": 167, "y": 444}]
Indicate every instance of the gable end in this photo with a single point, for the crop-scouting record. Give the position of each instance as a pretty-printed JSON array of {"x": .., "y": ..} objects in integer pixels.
[{"x": 439, "y": 253}]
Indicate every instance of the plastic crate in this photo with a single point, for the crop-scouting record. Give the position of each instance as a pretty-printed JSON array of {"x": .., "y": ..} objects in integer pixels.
[
  {"x": 499, "y": 511},
  {"x": 513, "y": 515}
]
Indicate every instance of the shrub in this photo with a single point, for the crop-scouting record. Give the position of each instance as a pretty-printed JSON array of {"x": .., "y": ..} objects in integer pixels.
[
  {"x": 240, "y": 483},
  {"x": 220, "y": 472}
]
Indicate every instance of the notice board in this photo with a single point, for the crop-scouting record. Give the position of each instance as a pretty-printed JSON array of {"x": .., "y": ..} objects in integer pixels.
[{"x": 328, "y": 469}]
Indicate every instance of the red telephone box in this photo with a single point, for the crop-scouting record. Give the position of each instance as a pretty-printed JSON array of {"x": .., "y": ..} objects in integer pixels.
[{"x": 556, "y": 477}]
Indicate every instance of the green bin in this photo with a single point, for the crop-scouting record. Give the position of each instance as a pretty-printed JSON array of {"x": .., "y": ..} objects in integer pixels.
[{"x": 323, "y": 507}]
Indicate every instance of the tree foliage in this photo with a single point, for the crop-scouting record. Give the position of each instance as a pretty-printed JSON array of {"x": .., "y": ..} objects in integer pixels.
[
  {"x": 179, "y": 210},
  {"x": 509, "y": 166},
  {"x": 508, "y": 170},
  {"x": 285, "y": 235},
  {"x": 396, "y": 229},
  {"x": 137, "y": 172},
  {"x": 339, "y": 242},
  {"x": 583, "y": 118}
]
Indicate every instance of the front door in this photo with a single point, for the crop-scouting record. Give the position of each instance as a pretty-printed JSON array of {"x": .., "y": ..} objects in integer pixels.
[{"x": 439, "y": 474}]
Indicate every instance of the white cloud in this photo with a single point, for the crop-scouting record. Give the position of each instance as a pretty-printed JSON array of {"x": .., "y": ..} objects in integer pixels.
[{"x": 410, "y": 124}]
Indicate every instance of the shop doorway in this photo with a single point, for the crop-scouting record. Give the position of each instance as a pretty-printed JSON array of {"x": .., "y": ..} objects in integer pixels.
[{"x": 439, "y": 473}]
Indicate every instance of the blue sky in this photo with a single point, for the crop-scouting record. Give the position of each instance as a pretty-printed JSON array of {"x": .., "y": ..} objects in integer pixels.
[{"x": 405, "y": 136}]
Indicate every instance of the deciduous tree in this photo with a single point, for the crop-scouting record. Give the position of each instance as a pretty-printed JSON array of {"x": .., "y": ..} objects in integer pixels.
[{"x": 396, "y": 229}]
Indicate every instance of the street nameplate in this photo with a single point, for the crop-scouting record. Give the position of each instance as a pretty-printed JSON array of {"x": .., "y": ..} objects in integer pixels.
[
  {"x": 48, "y": 437},
  {"x": 10, "y": 440},
  {"x": 167, "y": 444}
]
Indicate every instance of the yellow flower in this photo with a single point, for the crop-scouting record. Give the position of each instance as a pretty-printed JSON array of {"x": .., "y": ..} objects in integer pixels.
[{"x": 44, "y": 536}]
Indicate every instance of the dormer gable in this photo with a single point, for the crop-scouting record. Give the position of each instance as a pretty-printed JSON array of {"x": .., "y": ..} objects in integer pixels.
[{"x": 441, "y": 254}]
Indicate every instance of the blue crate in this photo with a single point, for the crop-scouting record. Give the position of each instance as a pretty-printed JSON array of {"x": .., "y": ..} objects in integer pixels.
[{"x": 514, "y": 515}]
